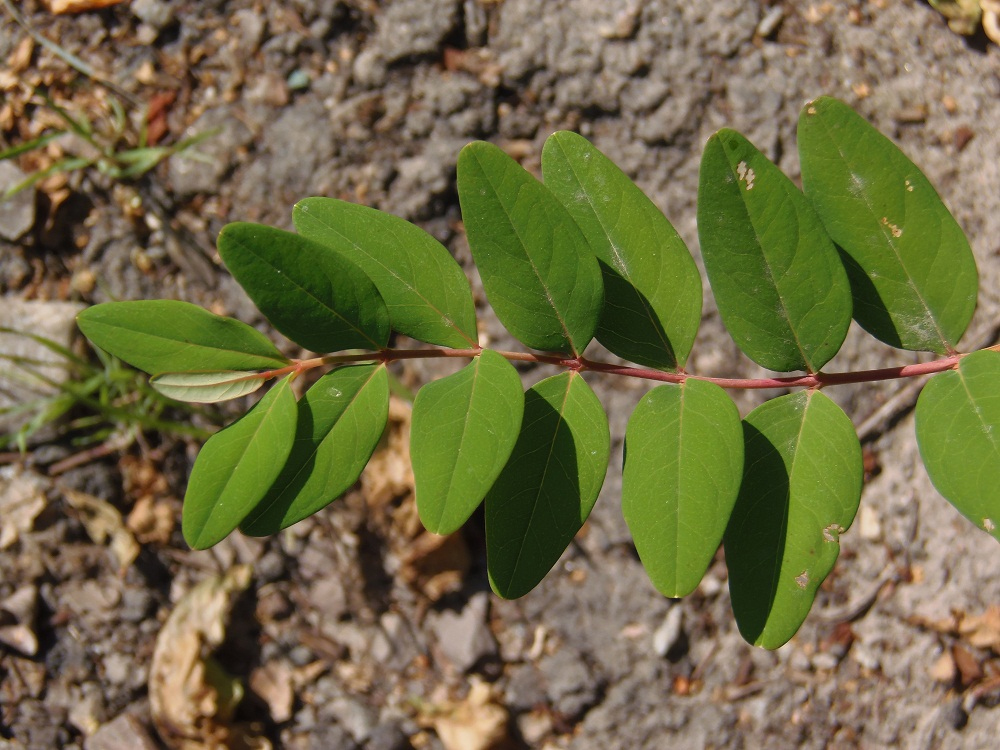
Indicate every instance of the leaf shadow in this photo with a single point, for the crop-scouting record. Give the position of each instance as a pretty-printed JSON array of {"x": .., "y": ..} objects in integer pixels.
[
  {"x": 870, "y": 310},
  {"x": 533, "y": 511},
  {"x": 756, "y": 535},
  {"x": 628, "y": 323}
]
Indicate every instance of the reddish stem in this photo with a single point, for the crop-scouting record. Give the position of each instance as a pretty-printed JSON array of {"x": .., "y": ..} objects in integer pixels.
[{"x": 582, "y": 364}]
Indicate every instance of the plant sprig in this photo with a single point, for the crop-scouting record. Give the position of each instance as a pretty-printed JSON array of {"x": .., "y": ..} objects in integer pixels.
[{"x": 583, "y": 254}]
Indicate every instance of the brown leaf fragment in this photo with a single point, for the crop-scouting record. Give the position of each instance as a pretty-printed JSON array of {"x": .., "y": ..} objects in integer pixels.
[
  {"x": 969, "y": 670},
  {"x": 191, "y": 697},
  {"x": 476, "y": 723},
  {"x": 944, "y": 670},
  {"x": 104, "y": 524},
  {"x": 17, "y": 620},
  {"x": 59, "y": 7},
  {"x": 979, "y": 631},
  {"x": 22, "y": 499},
  {"x": 273, "y": 683}
]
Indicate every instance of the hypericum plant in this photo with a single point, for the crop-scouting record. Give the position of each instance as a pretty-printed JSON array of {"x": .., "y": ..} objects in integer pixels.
[{"x": 586, "y": 254}]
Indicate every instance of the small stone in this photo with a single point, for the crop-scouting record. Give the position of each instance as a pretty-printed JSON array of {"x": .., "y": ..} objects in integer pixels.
[
  {"x": 17, "y": 213},
  {"x": 155, "y": 13},
  {"x": 17, "y": 620},
  {"x": 669, "y": 632},
  {"x": 117, "y": 668},
  {"x": 465, "y": 638},
  {"x": 534, "y": 726},
  {"x": 124, "y": 732},
  {"x": 825, "y": 661},
  {"x": 572, "y": 686},
  {"x": 387, "y": 736}
]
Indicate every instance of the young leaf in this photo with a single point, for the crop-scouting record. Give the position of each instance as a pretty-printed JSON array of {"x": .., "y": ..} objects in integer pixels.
[
  {"x": 313, "y": 295},
  {"x": 340, "y": 421},
  {"x": 780, "y": 287},
  {"x": 801, "y": 488},
  {"x": 683, "y": 467},
  {"x": 169, "y": 336},
  {"x": 538, "y": 270},
  {"x": 549, "y": 485},
  {"x": 236, "y": 466},
  {"x": 206, "y": 387},
  {"x": 463, "y": 430},
  {"x": 652, "y": 288},
  {"x": 912, "y": 271},
  {"x": 426, "y": 291},
  {"x": 958, "y": 431}
]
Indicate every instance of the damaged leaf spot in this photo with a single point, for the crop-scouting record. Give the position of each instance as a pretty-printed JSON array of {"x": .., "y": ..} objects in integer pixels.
[
  {"x": 896, "y": 231},
  {"x": 832, "y": 532},
  {"x": 989, "y": 525},
  {"x": 802, "y": 579},
  {"x": 909, "y": 187},
  {"x": 745, "y": 174}
]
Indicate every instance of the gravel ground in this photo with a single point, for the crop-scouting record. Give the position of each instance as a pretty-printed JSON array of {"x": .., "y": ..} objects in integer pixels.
[{"x": 353, "y": 629}]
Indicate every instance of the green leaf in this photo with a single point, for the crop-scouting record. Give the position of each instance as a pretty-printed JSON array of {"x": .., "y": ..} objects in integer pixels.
[
  {"x": 463, "y": 430},
  {"x": 538, "y": 270},
  {"x": 549, "y": 485},
  {"x": 236, "y": 466},
  {"x": 168, "y": 336},
  {"x": 652, "y": 288},
  {"x": 683, "y": 468},
  {"x": 801, "y": 487},
  {"x": 958, "y": 431},
  {"x": 314, "y": 296},
  {"x": 912, "y": 271},
  {"x": 206, "y": 387},
  {"x": 340, "y": 421},
  {"x": 780, "y": 287},
  {"x": 426, "y": 291}
]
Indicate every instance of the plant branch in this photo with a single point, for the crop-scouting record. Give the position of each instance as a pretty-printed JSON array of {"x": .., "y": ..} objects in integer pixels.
[{"x": 582, "y": 364}]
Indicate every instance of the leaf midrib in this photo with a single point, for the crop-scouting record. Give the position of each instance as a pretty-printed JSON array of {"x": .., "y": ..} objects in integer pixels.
[
  {"x": 308, "y": 293},
  {"x": 892, "y": 245},
  {"x": 531, "y": 261},
  {"x": 391, "y": 272},
  {"x": 619, "y": 261}
]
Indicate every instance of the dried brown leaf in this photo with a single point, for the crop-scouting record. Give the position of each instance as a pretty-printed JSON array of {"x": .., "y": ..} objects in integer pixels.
[
  {"x": 191, "y": 697},
  {"x": 58, "y": 7},
  {"x": 476, "y": 723},
  {"x": 104, "y": 524},
  {"x": 22, "y": 498}
]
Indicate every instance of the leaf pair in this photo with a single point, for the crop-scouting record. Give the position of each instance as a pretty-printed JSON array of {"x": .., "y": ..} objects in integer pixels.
[
  {"x": 584, "y": 253},
  {"x": 538, "y": 459},
  {"x": 771, "y": 253},
  {"x": 284, "y": 460},
  {"x": 780, "y": 487}
]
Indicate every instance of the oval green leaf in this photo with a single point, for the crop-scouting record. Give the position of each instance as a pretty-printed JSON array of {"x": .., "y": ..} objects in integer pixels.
[
  {"x": 314, "y": 296},
  {"x": 780, "y": 287},
  {"x": 169, "y": 336},
  {"x": 426, "y": 291},
  {"x": 340, "y": 421},
  {"x": 549, "y": 485},
  {"x": 206, "y": 387},
  {"x": 236, "y": 466},
  {"x": 652, "y": 288},
  {"x": 538, "y": 270},
  {"x": 801, "y": 487},
  {"x": 683, "y": 468},
  {"x": 463, "y": 430},
  {"x": 911, "y": 269},
  {"x": 958, "y": 431}
]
